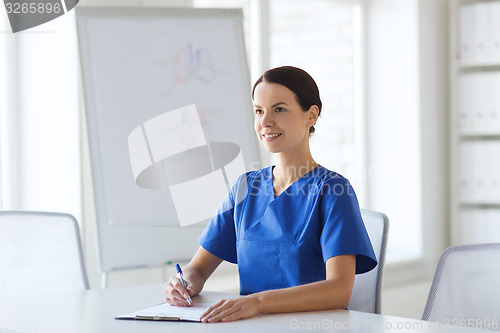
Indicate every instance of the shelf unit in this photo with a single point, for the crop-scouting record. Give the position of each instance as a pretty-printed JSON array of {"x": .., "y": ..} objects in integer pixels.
[{"x": 475, "y": 121}]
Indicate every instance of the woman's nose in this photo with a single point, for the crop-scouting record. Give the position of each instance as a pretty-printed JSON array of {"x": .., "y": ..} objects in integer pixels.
[{"x": 267, "y": 120}]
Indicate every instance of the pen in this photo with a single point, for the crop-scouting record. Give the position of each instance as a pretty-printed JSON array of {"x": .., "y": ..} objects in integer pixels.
[{"x": 179, "y": 271}]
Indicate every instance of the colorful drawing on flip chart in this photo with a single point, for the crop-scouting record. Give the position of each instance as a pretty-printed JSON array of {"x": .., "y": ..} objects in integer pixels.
[{"x": 190, "y": 63}]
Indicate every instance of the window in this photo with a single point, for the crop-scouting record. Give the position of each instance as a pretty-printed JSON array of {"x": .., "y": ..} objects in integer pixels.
[
  {"x": 3, "y": 105},
  {"x": 41, "y": 120},
  {"x": 393, "y": 116},
  {"x": 323, "y": 45}
]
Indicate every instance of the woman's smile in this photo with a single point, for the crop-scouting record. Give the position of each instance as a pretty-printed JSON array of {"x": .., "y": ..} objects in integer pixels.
[{"x": 271, "y": 136}]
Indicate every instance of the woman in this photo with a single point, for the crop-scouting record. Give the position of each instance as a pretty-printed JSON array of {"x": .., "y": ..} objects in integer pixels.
[{"x": 294, "y": 229}]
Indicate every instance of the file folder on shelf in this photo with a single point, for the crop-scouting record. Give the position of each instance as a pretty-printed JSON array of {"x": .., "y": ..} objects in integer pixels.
[
  {"x": 495, "y": 30},
  {"x": 466, "y": 31}
]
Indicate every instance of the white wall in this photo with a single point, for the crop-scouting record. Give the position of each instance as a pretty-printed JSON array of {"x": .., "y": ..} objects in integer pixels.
[
  {"x": 406, "y": 300},
  {"x": 434, "y": 131}
]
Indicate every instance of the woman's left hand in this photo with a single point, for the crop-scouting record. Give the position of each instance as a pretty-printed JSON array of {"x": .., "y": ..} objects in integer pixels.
[{"x": 231, "y": 309}]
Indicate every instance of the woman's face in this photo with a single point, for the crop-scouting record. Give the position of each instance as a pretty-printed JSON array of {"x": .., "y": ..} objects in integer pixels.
[{"x": 280, "y": 122}]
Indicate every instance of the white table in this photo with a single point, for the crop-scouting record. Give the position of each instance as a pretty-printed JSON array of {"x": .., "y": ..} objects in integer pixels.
[{"x": 94, "y": 311}]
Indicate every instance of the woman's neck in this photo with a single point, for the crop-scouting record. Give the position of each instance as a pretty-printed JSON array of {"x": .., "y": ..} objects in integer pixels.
[{"x": 289, "y": 167}]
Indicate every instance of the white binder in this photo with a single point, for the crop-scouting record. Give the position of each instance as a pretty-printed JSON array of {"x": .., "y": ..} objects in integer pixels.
[
  {"x": 495, "y": 29},
  {"x": 482, "y": 102},
  {"x": 482, "y": 30},
  {"x": 466, "y": 179},
  {"x": 466, "y": 218},
  {"x": 473, "y": 95},
  {"x": 466, "y": 31},
  {"x": 479, "y": 225},
  {"x": 464, "y": 103},
  {"x": 495, "y": 95},
  {"x": 480, "y": 166},
  {"x": 493, "y": 171}
]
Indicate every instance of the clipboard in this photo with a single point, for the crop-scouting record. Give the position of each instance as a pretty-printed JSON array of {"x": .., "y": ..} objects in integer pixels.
[{"x": 167, "y": 312}]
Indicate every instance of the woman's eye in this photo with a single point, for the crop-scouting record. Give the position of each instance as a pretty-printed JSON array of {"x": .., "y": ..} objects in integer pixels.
[
  {"x": 280, "y": 109},
  {"x": 258, "y": 111}
]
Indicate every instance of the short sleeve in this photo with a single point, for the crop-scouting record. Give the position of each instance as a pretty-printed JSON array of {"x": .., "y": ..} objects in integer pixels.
[
  {"x": 219, "y": 237},
  {"x": 344, "y": 231}
]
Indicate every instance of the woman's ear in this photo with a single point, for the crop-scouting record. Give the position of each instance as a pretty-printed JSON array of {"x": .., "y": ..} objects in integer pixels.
[{"x": 313, "y": 115}]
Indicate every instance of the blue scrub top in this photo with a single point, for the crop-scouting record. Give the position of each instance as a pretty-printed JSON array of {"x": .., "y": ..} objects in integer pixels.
[{"x": 284, "y": 241}]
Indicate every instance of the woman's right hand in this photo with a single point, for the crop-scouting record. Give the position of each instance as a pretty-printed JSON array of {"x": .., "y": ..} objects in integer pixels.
[
  {"x": 176, "y": 294},
  {"x": 195, "y": 274}
]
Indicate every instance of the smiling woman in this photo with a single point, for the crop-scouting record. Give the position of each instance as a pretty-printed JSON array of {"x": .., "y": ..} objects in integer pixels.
[{"x": 298, "y": 241}]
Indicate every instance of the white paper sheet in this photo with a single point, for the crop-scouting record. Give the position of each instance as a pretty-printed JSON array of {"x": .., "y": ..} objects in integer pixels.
[{"x": 166, "y": 311}]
